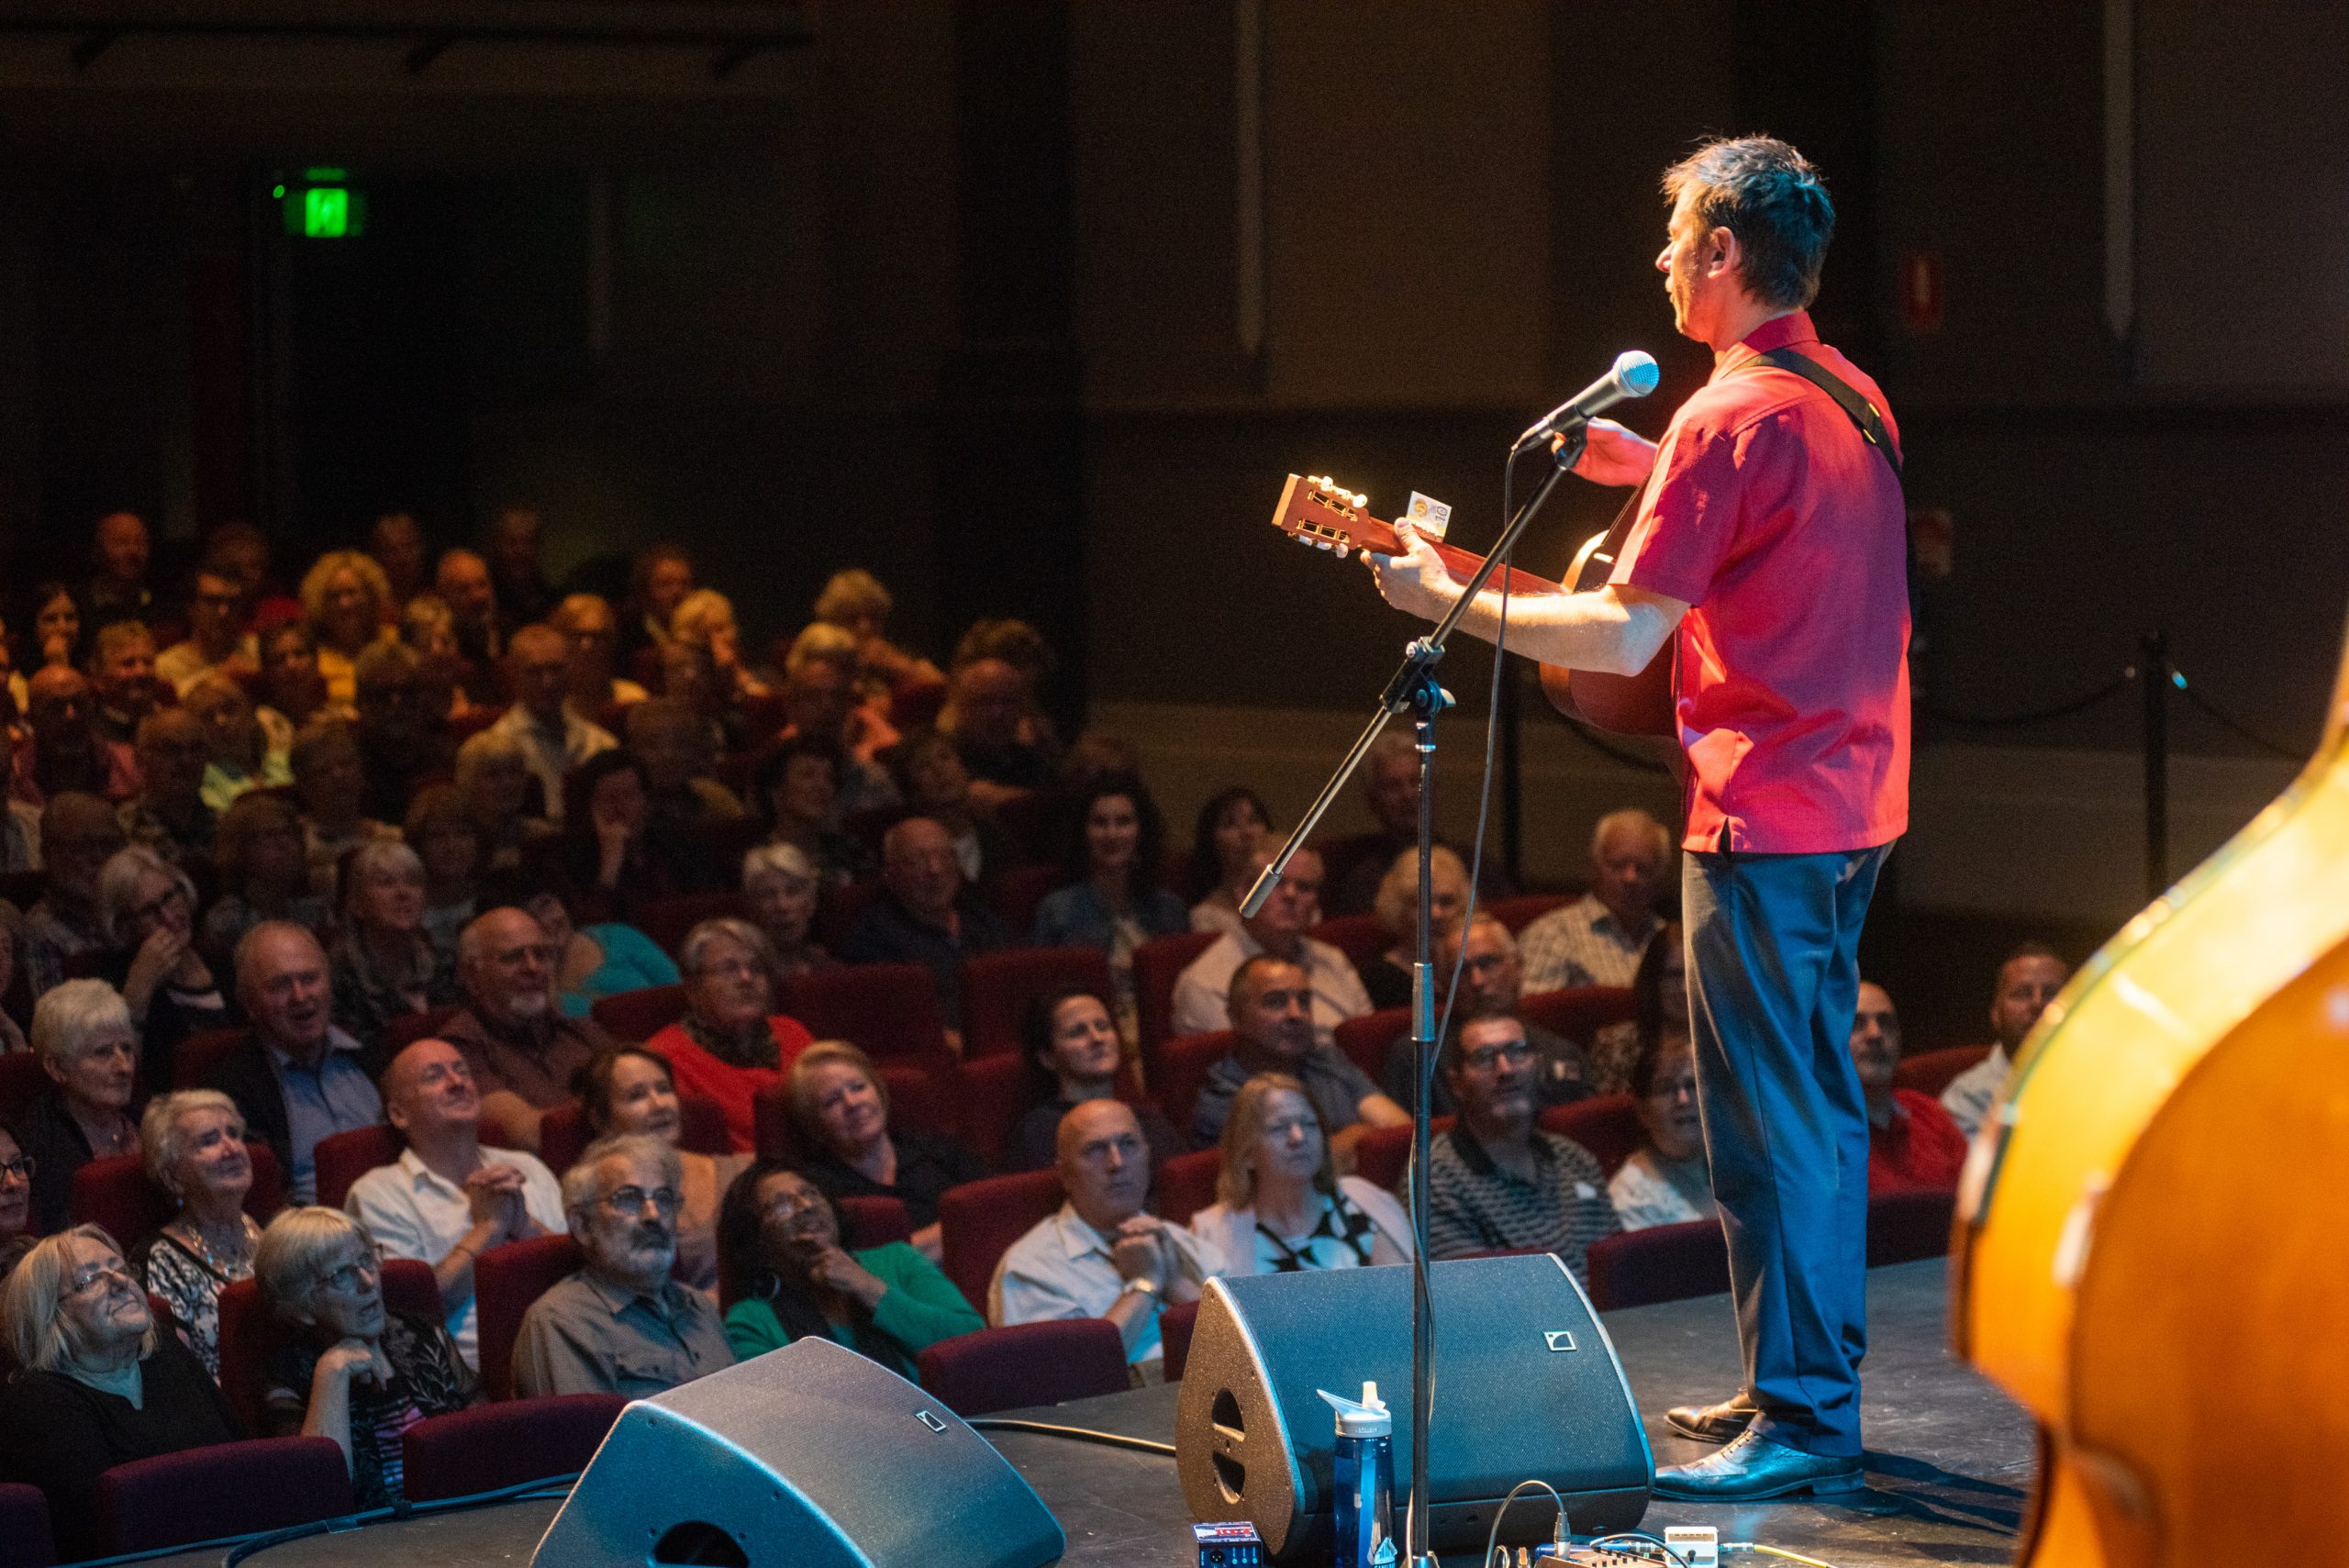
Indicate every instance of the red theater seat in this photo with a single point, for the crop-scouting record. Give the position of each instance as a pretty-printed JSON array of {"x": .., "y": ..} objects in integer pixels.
[
  {"x": 1359, "y": 937},
  {"x": 1606, "y": 1125},
  {"x": 918, "y": 1099},
  {"x": 493, "y": 1446},
  {"x": 1186, "y": 1184},
  {"x": 872, "y": 1222},
  {"x": 1181, "y": 1071},
  {"x": 506, "y": 1281},
  {"x": 1158, "y": 963},
  {"x": 888, "y": 1009},
  {"x": 979, "y": 1221},
  {"x": 24, "y": 1539},
  {"x": 1028, "y": 1364},
  {"x": 1384, "y": 1153},
  {"x": 669, "y": 920},
  {"x": 1905, "y": 1226},
  {"x": 344, "y": 1157},
  {"x": 1525, "y": 908},
  {"x": 1580, "y": 1012},
  {"x": 193, "y": 1063},
  {"x": 998, "y": 986},
  {"x": 1018, "y": 889},
  {"x": 203, "y": 1494},
  {"x": 1367, "y": 1038},
  {"x": 640, "y": 1014},
  {"x": 118, "y": 1194},
  {"x": 1175, "y": 1325},
  {"x": 1664, "y": 1262},
  {"x": 1930, "y": 1072},
  {"x": 401, "y": 1033}
]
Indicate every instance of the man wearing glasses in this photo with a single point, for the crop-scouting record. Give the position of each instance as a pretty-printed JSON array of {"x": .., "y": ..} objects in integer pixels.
[{"x": 620, "y": 1325}]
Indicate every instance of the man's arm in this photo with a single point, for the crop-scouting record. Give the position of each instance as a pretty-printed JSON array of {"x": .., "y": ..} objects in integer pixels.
[{"x": 1616, "y": 629}]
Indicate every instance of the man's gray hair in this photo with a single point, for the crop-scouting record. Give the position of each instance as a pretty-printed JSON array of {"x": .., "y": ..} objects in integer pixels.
[
  {"x": 780, "y": 859},
  {"x": 488, "y": 749},
  {"x": 67, "y": 1015},
  {"x": 472, "y": 942},
  {"x": 118, "y": 886},
  {"x": 249, "y": 945},
  {"x": 583, "y": 1188},
  {"x": 1630, "y": 819}
]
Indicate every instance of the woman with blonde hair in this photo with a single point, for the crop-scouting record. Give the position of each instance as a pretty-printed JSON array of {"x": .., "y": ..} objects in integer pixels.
[
  {"x": 1280, "y": 1204},
  {"x": 705, "y": 619},
  {"x": 1397, "y": 908},
  {"x": 430, "y": 626},
  {"x": 193, "y": 1144},
  {"x": 343, "y": 598},
  {"x": 839, "y": 1108}
]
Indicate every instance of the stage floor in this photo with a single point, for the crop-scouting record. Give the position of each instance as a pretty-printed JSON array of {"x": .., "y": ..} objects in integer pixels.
[{"x": 1949, "y": 1460}]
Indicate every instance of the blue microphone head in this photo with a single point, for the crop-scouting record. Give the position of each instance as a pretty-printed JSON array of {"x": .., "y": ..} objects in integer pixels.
[{"x": 1635, "y": 372}]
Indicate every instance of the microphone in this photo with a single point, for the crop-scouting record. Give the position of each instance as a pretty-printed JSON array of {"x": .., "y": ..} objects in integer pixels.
[{"x": 1634, "y": 374}]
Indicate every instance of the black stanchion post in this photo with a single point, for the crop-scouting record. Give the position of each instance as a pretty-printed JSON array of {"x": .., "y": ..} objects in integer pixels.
[
  {"x": 1512, "y": 678},
  {"x": 2153, "y": 665}
]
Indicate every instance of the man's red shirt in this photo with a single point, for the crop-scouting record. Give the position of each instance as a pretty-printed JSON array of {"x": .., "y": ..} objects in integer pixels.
[
  {"x": 1783, "y": 530},
  {"x": 1922, "y": 1148}
]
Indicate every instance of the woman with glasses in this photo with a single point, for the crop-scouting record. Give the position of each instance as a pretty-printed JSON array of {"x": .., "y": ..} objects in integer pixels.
[
  {"x": 193, "y": 1145},
  {"x": 783, "y": 1250},
  {"x": 384, "y": 966},
  {"x": 15, "y": 1189},
  {"x": 99, "y": 1383},
  {"x": 356, "y": 1371},
  {"x": 731, "y": 1043},
  {"x": 1666, "y": 1180},
  {"x": 1281, "y": 1207},
  {"x": 147, "y": 917},
  {"x": 84, "y": 1035},
  {"x": 630, "y": 1088}
]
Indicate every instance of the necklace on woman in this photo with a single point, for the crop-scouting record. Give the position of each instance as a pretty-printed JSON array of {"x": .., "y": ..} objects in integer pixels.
[{"x": 225, "y": 1263}]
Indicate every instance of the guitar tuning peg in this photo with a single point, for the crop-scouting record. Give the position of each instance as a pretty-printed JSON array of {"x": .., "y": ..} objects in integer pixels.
[
  {"x": 1360, "y": 499},
  {"x": 1345, "y": 552}
]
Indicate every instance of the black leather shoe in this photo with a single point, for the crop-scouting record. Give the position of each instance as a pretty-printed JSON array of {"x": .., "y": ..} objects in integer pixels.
[
  {"x": 1711, "y": 1423},
  {"x": 1752, "y": 1468}
]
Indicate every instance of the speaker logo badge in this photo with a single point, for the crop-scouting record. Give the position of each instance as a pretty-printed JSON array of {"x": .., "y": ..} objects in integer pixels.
[
  {"x": 929, "y": 1418},
  {"x": 1559, "y": 1339}
]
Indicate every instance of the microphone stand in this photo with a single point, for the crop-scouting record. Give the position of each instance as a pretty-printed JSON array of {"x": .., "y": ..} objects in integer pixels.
[{"x": 1414, "y": 688}]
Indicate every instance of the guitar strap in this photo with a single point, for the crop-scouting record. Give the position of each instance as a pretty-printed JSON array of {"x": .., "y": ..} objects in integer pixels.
[{"x": 1861, "y": 411}]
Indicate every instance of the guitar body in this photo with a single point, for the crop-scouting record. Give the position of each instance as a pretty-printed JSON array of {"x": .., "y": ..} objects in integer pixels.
[{"x": 1625, "y": 705}]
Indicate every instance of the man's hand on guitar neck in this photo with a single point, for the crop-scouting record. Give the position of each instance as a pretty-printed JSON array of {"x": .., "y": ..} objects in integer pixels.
[
  {"x": 1612, "y": 454},
  {"x": 1417, "y": 581}
]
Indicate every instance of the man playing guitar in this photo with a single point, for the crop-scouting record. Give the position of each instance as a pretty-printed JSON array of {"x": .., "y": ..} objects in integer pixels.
[{"x": 1770, "y": 542}]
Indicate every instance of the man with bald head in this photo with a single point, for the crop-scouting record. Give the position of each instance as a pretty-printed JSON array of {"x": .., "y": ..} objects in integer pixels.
[
  {"x": 1103, "y": 1255},
  {"x": 554, "y": 737},
  {"x": 62, "y": 749},
  {"x": 522, "y": 1052},
  {"x": 169, "y": 814},
  {"x": 445, "y": 1201},
  {"x": 925, "y": 914},
  {"x": 1598, "y": 938},
  {"x": 1272, "y": 1025},
  {"x": 1202, "y": 992},
  {"x": 295, "y": 1077}
]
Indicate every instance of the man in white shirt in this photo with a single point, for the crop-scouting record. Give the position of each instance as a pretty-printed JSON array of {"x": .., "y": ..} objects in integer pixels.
[
  {"x": 554, "y": 737},
  {"x": 1598, "y": 938},
  {"x": 1203, "y": 991},
  {"x": 445, "y": 1201},
  {"x": 2028, "y": 980},
  {"x": 1101, "y": 1256}
]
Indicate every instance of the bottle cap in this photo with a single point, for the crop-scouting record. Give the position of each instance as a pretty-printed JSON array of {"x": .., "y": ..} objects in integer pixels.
[{"x": 1367, "y": 1418}]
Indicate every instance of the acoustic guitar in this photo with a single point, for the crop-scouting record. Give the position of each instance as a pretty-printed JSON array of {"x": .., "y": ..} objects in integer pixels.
[
  {"x": 2149, "y": 1248},
  {"x": 1325, "y": 514}
]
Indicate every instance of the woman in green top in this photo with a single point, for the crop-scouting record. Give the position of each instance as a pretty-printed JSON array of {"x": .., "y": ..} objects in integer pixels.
[{"x": 780, "y": 1245}]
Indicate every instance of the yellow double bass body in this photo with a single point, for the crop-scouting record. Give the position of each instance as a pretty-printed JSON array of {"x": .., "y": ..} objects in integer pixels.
[{"x": 2152, "y": 1248}]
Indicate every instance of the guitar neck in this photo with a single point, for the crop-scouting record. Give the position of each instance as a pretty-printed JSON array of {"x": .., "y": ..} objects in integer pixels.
[{"x": 1462, "y": 565}]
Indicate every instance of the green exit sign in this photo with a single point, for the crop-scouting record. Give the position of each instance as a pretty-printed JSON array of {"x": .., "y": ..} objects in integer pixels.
[{"x": 319, "y": 206}]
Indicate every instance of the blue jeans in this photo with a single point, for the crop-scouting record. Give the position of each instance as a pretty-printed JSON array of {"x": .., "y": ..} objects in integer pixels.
[{"x": 1773, "y": 944}]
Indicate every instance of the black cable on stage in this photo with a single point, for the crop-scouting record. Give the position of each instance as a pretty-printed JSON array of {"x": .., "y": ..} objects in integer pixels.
[
  {"x": 1075, "y": 1434},
  {"x": 2219, "y": 717},
  {"x": 2036, "y": 715},
  {"x": 546, "y": 1485}
]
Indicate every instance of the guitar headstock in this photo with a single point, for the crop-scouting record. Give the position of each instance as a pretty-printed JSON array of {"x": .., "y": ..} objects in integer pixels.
[{"x": 1320, "y": 512}]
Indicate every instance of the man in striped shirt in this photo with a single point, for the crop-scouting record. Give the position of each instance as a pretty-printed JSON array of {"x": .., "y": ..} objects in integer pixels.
[{"x": 1598, "y": 938}]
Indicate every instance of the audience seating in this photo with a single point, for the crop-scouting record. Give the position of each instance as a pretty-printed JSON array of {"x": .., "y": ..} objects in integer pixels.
[
  {"x": 1158, "y": 963},
  {"x": 668, "y": 921},
  {"x": 1606, "y": 1125},
  {"x": 23, "y": 1080},
  {"x": 991, "y": 1092},
  {"x": 251, "y": 1333},
  {"x": 401, "y": 1033},
  {"x": 873, "y": 1221},
  {"x": 1907, "y": 1225},
  {"x": 491, "y": 1447},
  {"x": 342, "y": 1158},
  {"x": 998, "y": 986},
  {"x": 1929, "y": 1073},
  {"x": 1027, "y": 1363},
  {"x": 1186, "y": 1184},
  {"x": 563, "y": 1132},
  {"x": 1523, "y": 909},
  {"x": 1382, "y": 1154},
  {"x": 24, "y": 1539},
  {"x": 1361, "y": 938},
  {"x": 920, "y": 1100},
  {"x": 1340, "y": 855},
  {"x": 1663, "y": 1263},
  {"x": 1175, "y": 1326},
  {"x": 1367, "y": 1038},
  {"x": 1181, "y": 1072},
  {"x": 1018, "y": 889},
  {"x": 889, "y": 1009},
  {"x": 1027, "y": 822},
  {"x": 227, "y": 1489},
  {"x": 638, "y": 1015},
  {"x": 118, "y": 1194},
  {"x": 978, "y": 1222},
  {"x": 837, "y": 913},
  {"x": 200, "y": 1053},
  {"x": 506, "y": 1281},
  {"x": 1578, "y": 1012}
]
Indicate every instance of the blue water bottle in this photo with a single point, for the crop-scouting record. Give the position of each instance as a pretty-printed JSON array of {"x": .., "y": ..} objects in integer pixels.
[{"x": 1362, "y": 1477}]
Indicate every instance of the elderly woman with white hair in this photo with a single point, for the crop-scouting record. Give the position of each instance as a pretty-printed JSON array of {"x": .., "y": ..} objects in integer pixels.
[
  {"x": 147, "y": 919},
  {"x": 84, "y": 1035},
  {"x": 99, "y": 1385},
  {"x": 1389, "y": 980},
  {"x": 730, "y": 1044},
  {"x": 383, "y": 966},
  {"x": 356, "y": 1372},
  {"x": 193, "y": 1145},
  {"x": 780, "y": 887}
]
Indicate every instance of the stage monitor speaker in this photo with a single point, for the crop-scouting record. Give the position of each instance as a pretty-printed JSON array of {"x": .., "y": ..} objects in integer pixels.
[
  {"x": 810, "y": 1457},
  {"x": 1527, "y": 1385}
]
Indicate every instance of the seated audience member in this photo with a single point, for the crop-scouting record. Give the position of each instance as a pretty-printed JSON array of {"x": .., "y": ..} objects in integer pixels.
[
  {"x": 62, "y": 750},
  {"x": 79, "y": 833},
  {"x": 795, "y": 791},
  {"x": 1598, "y": 939},
  {"x": 237, "y": 758},
  {"x": 441, "y": 832},
  {"x": 344, "y": 596},
  {"x": 463, "y": 583},
  {"x": 600, "y": 959},
  {"x": 820, "y": 703},
  {"x": 1272, "y": 1025},
  {"x": 631, "y": 1089},
  {"x": 856, "y": 602},
  {"x": 1666, "y": 1180},
  {"x": 193, "y": 1145},
  {"x": 59, "y": 634},
  {"x": 1390, "y": 775},
  {"x": 355, "y": 1371},
  {"x": 516, "y": 571},
  {"x": 1103, "y": 1255},
  {"x": 678, "y": 751},
  {"x": 16, "y": 1169},
  {"x": 447, "y": 1200},
  {"x": 99, "y": 1382},
  {"x": 169, "y": 814},
  {"x": 1912, "y": 1143},
  {"x": 925, "y": 915},
  {"x": 620, "y": 1325},
  {"x": 936, "y": 785},
  {"x": 591, "y": 635},
  {"x": 2028, "y": 980},
  {"x": 242, "y": 550},
  {"x": 612, "y": 852},
  {"x": 428, "y": 628},
  {"x": 493, "y": 780},
  {"x": 1114, "y": 899},
  {"x": 216, "y": 634},
  {"x": 524, "y": 1053},
  {"x": 1659, "y": 1012},
  {"x": 1491, "y": 980},
  {"x": 1227, "y": 829},
  {"x": 1022, "y": 646},
  {"x": 118, "y": 559},
  {"x": 987, "y": 702},
  {"x": 659, "y": 580},
  {"x": 779, "y": 890},
  {"x": 122, "y": 679},
  {"x": 839, "y": 1109},
  {"x": 703, "y": 619},
  {"x": 687, "y": 677},
  {"x": 292, "y": 690},
  {"x": 1279, "y": 928},
  {"x": 384, "y": 967},
  {"x": 297, "y": 1078},
  {"x": 264, "y": 874},
  {"x": 331, "y": 777},
  {"x": 1497, "y": 1181},
  {"x": 12, "y": 936},
  {"x": 147, "y": 915},
  {"x": 731, "y": 1043},
  {"x": 1073, "y": 1054},
  {"x": 402, "y": 735},
  {"x": 1281, "y": 1207},
  {"x": 91, "y": 1054},
  {"x": 396, "y": 544},
  {"x": 783, "y": 1247},
  {"x": 554, "y": 737},
  {"x": 1397, "y": 905}
]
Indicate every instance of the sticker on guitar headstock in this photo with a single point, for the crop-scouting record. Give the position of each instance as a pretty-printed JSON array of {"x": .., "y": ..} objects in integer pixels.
[{"x": 1431, "y": 517}]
